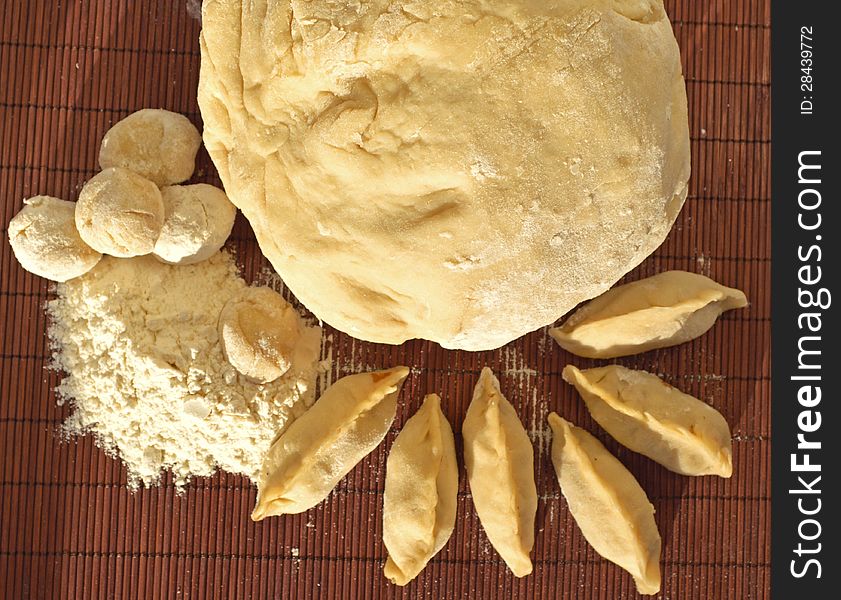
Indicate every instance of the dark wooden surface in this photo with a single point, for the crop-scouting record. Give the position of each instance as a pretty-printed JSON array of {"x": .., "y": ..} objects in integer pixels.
[{"x": 69, "y": 528}]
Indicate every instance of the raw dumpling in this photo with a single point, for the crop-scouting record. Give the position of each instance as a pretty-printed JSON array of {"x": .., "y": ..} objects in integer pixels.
[
  {"x": 649, "y": 416},
  {"x": 421, "y": 484},
  {"x": 608, "y": 504},
  {"x": 499, "y": 460},
  {"x": 319, "y": 448},
  {"x": 664, "y": 310}
]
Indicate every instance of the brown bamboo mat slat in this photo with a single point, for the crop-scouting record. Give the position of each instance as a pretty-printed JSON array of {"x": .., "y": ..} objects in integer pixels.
[{"x": 70, "y": 529}]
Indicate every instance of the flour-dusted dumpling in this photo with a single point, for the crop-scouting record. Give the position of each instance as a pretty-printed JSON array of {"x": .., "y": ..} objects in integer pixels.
[
  {"x": 499, "y": 459},
  {"x": 421, "y": 485},
  {"x": 649, "y": 416},
  {"x": 319, "y": 448},
  {"x": 158, "y": 144},
  {"x": 664, "y": 310},
  {"x": 608, "y": 504}
]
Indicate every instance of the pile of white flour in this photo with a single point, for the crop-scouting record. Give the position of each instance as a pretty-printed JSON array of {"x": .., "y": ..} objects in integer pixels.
[{"x": 146, "y": 374}]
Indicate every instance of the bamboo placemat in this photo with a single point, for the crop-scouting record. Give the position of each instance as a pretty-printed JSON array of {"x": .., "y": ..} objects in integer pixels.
[{"x": 69, "y": 528}]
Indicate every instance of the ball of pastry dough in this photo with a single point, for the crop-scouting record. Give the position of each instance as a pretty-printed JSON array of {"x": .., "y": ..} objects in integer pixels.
[
  {"x": 197, "y": 221},
  {"x": 120, "y": 213},
  {"x": 259, "y": 331},
  {"x": 459, "y": 171},
  {"x": 158, "y": 144},
  {"x": 45, "y": 241}
]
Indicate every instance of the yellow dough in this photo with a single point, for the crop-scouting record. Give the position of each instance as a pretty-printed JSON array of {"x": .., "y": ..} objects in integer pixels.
[
  {"x": 644, "y": 413},
  {"x": 461, "y": 171},
  {"x": 607, "y": 503},
  {"x": 45, "y": 241},
  {"x": 120, "y": 213},
  {"x": 421, "y": 487},
  {"x": 158, "y": 144},
  {"x": 499, "y": 459},
  {"x": 319, "y": 448},
  {"x": 664, "y": 310}
]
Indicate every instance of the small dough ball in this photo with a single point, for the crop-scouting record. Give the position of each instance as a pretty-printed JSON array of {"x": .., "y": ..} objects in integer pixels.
[
  {"x": 158, "y": 144},
  {"x": 197, "y": 221},
  {"x": 45, "y": 241},
  {"x": 120, "y": 213},
  {"x": 259, "y": 331}
]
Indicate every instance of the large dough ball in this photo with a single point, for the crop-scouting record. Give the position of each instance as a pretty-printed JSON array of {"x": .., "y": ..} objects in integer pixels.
[
  {"x": 45, "y": 241},
  {"x": 120, "y": 213},
  {"x": 198, "y": 219},
  {"x": 455, "y": 170},
  {"x": 158, "y": 144}
]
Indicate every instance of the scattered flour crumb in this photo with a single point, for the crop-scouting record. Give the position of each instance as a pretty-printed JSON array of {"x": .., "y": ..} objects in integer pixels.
[
  {"x": 543, "y": 340},
  {"x": 514, "y": 366},
  {"x": 481, "y": 169},
  {"x": 704, "y": 266},
  {"x": 194, "y": 9}
]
